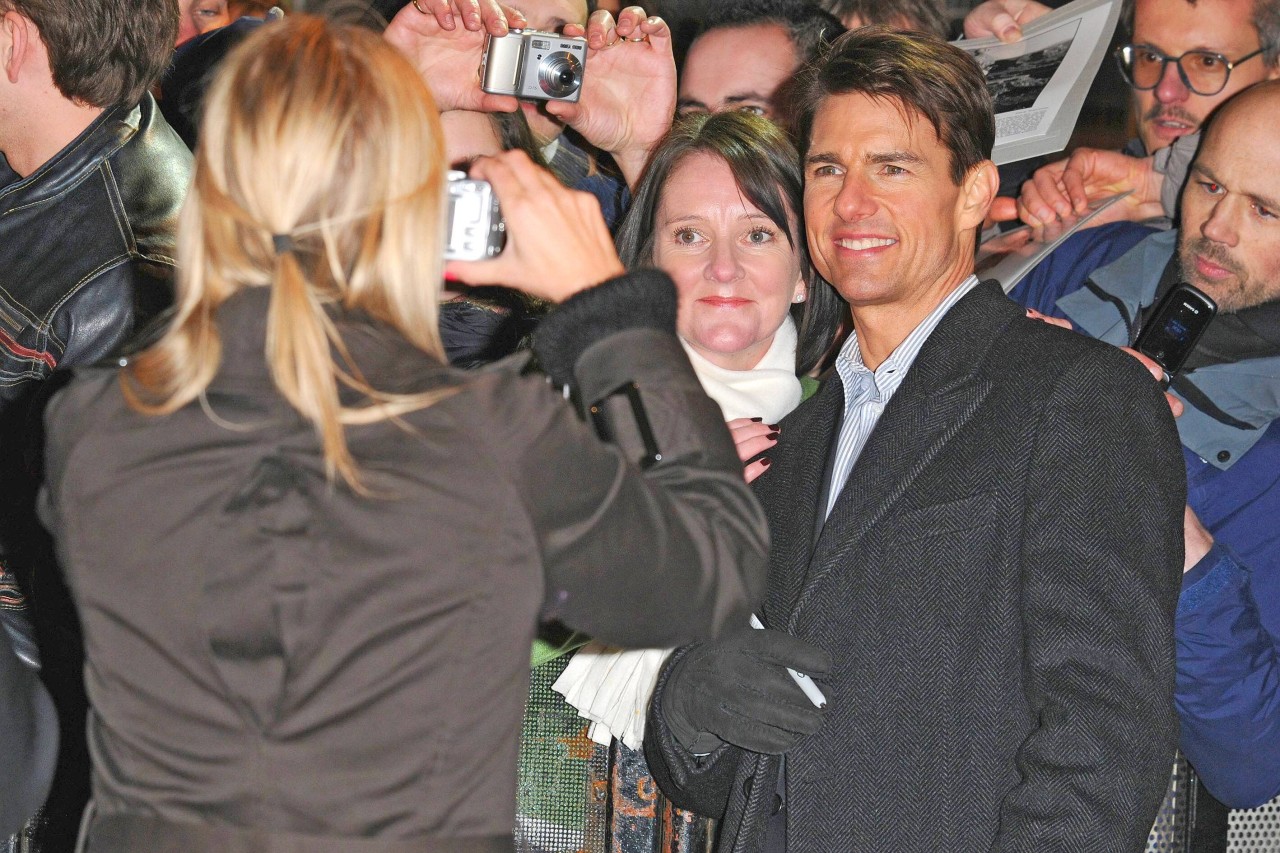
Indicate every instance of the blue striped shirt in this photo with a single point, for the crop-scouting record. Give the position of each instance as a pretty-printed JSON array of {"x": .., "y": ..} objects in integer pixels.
[{"x": 866, "y": 393}]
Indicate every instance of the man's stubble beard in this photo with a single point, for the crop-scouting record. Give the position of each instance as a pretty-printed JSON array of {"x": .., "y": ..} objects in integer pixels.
[{"x": 1234, "y": 294}]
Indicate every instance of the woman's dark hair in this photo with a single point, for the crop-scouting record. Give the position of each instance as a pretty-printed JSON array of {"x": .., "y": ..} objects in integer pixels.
[
  {"x": 925, "y": 75},
  {"x": 767, "y": 170}
]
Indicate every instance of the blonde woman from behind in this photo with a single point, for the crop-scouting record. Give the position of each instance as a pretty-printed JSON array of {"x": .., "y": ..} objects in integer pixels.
[{"x": 307, "y": 555}]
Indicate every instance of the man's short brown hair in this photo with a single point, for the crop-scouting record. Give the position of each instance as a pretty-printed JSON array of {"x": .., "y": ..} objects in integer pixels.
[
  {"x": 924, "y": 74},
  {"x": 103, "y": 52}
]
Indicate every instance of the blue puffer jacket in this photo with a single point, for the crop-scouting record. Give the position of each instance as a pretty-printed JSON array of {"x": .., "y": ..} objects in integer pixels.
[{"x": 1228, "y": 628}]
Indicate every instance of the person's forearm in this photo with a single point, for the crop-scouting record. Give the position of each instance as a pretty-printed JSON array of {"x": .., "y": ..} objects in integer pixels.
[
  {"x": 632, "y": 164},
  {"x": 1228, "y": 682},
  {"x": 683, "y": 538},
  {"x": 1172, "y": 165}
]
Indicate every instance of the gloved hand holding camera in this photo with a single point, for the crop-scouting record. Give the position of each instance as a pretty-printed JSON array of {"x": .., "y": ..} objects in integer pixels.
[{"x": 737, "y": 690}]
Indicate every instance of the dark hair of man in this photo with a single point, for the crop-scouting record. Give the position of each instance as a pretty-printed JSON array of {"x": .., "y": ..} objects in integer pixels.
[
  {"x": 925, "y": 16},
  {"x": 926, "y": 76},
  {"x": 1266, "y": 20},
  {"x": 104, "y": 53},
  {"x": 766, "y": 168},
  {"x": 810, "y": 27}
]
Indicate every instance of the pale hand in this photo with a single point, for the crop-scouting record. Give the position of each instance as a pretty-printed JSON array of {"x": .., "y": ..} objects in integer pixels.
[
  {"x": 1175, "y": 405},
  {"x": 751, "y": 437},
  {"x": 1002, "y": 19},
  {"x": 447, "y": 56},
  {"x": 1065, "y": 189},
  {"x": 557, "y": 242},
  {"x": 1198, "y": 540},
  {"x": 629, "y": 91}
]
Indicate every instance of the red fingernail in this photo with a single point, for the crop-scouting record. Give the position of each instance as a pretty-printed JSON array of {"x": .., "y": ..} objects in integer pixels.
[
  {"x": 773, "y": 436},
  {"x": 758, "y": 420},
  {"x": 765, "y": 462},
  {"x": 773, "y": 427}
]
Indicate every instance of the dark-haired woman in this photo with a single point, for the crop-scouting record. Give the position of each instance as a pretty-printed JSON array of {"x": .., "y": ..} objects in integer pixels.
[{"x": 719, "y": 211}]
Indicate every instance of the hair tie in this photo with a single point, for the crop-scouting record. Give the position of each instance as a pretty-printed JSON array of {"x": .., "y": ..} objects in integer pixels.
[{"x": 282, "y": 242}]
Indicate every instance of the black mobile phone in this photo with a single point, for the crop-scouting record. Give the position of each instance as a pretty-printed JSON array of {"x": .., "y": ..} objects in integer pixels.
[{"x": 1176, "y": 327}]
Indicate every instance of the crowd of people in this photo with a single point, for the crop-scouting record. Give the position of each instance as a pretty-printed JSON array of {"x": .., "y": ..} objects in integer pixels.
[{"x": 726, "y": 507}]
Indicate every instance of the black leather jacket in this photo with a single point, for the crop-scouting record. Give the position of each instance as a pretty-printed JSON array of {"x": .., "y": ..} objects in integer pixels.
[
  {"x": 87, "y": 245},
  {"x": 86, "y": 258}
]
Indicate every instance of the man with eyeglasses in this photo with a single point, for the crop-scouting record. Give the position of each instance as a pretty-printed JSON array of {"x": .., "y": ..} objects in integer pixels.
[{"x": 1183, "y": 60}]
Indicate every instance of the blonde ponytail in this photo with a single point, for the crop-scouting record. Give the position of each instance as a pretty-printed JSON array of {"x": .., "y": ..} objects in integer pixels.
[{"x": 323, "y": 133}]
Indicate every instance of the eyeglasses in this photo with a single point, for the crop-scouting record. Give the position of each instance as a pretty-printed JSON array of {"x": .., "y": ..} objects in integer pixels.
[{"x": 1202, "y": 71}]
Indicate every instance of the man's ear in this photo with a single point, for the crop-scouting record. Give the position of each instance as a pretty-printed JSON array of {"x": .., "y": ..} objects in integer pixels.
[
  {"x": 977, "y": 191},
  {"x": 16, "y": 32}
]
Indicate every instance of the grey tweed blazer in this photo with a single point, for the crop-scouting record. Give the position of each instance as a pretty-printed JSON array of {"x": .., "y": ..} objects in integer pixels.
[{"x": 996, "y": 585}]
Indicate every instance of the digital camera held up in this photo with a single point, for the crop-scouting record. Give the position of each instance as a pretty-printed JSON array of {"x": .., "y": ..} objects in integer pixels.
[
  {"x": 532, "y": 64},
  {"x": 476, "y": 228}
]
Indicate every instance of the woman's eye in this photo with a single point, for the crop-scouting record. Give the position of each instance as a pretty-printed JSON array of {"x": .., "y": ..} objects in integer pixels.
[
  {"x": 753, "y": 109},
  {"x": 758, "y": 236},
  {"x": 687, "y": 237}
]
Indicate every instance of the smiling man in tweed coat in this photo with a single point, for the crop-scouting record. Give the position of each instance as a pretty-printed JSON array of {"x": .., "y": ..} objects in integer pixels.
[{"x": 976, "y": 531}]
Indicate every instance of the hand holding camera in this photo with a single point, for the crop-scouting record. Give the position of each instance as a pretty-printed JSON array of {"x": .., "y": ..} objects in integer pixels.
[
  {"x": 627, "y": 107},
  {"x": 445, "y": 54},
  {"x": 557, "y": 242},
  {"x": 534, "y": 65}
]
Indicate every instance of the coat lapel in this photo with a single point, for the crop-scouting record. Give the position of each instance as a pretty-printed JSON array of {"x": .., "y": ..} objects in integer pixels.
[
  {"x": 792, "y": 491},
  {"x": 941, "y": 393}
]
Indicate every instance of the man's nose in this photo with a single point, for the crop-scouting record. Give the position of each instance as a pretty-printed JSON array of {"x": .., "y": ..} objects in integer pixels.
[
  {"x": 1221, "y": 226},
  {"x": 854, "y": 201},
  {"x": 1171, "y": 89}
]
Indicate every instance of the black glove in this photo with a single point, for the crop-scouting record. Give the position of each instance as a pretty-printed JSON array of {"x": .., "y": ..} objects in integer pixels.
[{"x": 737, "y": 690}]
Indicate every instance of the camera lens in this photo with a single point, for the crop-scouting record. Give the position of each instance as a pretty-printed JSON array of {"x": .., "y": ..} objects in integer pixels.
[{"x": 560, "y": 74}]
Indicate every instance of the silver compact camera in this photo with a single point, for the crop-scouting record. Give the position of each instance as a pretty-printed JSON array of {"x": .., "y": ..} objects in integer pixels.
[
  {"x": 476, "y": 229},
  {"x": 532, "y": 64}
]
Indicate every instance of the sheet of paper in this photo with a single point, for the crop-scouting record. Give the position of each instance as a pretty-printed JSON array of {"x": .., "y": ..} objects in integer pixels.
[
  {"x": 1040, "y": 81},
  {"x": 1010, "y": 256}
]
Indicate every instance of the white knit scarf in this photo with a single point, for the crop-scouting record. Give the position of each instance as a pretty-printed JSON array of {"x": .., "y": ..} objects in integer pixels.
[{"x": 770, "y": 390}]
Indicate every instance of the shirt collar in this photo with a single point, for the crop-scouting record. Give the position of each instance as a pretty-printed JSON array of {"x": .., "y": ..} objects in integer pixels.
[{"x": 889, "y": 375}]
